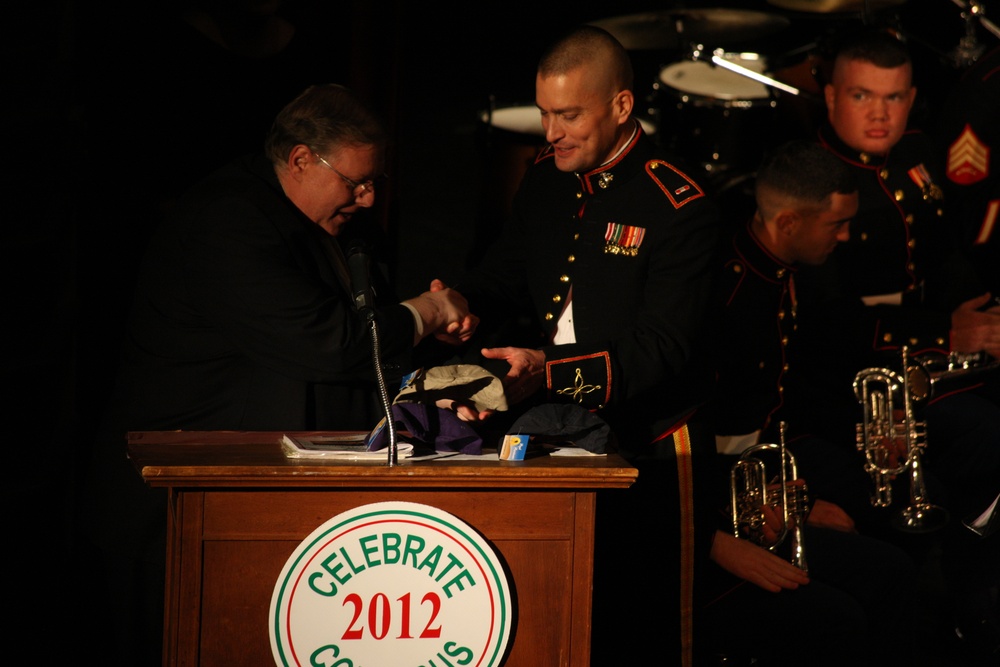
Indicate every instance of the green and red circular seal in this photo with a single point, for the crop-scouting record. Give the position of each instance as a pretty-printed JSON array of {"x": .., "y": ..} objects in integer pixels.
[{"x": 391, "y": 584}]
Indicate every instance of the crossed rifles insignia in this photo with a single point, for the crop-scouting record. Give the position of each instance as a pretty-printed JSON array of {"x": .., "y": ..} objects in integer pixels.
[{"x": 579, "y": 388}]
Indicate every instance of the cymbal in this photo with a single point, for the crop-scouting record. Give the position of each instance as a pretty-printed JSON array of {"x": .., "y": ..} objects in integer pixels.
[
  {"x": 834, "y": 6},
  {"x": 678, "y": 28}
]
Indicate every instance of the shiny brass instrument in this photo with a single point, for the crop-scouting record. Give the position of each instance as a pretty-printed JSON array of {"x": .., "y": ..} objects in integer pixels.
[
  {"x": 751, "y": 490},
  {"x": 893, "y": 439},
  {"x": 932, "y": 371}
]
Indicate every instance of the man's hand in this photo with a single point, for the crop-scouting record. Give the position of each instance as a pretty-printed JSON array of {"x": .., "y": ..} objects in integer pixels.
[
  {"x": 445, "y": 313},
  {"x": 457, "y": 332},
  {"x": 755, "y": 564},
  {"x": 526, "y": 374},
  {"x": 774, "y": 522},
  {"x": 464, "y": 411},
  {"x": 828, "y": 515},
  {"x": 973, "y": 330}
]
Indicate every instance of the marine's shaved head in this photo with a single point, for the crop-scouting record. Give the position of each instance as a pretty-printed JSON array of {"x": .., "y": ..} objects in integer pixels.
[{"x": 591, "y": 47}]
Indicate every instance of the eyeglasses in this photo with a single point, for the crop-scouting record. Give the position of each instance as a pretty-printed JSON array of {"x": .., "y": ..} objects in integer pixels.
[{"x": 359, "y": 190}]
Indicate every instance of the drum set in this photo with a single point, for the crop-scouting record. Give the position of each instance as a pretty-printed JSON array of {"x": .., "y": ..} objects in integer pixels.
[
  {"x": 717, "y": 86},
  {"x": 729, "y": 83},
  {"x": 726, "y": 83}
]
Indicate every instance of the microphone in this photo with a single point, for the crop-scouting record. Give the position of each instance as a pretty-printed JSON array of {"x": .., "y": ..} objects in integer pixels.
[{"x": 359, "y": 268}]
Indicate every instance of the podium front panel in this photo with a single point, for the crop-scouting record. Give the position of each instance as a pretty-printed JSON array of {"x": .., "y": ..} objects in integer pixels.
[{"x": 228, "y": 539}]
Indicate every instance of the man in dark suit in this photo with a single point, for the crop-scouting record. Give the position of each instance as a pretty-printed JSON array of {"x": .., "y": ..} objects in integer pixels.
[
  {"x": 244, "y": 316},
  {"x": 244, "y": 319}
]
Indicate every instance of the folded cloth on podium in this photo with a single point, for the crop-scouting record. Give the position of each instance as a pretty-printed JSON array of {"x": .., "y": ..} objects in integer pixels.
[
  {"x": 561, "y": 422},
  {"x": 462, "y": 383},
  {"x": 428, "y": 426}
]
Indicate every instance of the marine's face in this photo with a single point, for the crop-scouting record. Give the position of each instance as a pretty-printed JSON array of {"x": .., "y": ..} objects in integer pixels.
[
  {"x": 581, "y": 118},
  {"x": 817, "y": 234},
  {"x": 869, "y": 105}
]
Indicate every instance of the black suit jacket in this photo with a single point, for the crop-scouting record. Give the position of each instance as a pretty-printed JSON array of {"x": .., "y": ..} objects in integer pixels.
[{"x": 241, "y": 322}]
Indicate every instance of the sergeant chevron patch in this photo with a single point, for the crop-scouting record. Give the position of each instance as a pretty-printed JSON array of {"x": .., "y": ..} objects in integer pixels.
[{"x": 968, "y": 158}]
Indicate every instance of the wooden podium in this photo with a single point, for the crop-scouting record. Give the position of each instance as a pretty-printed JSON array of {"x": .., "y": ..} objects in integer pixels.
[{"x": 238, "y": 508}]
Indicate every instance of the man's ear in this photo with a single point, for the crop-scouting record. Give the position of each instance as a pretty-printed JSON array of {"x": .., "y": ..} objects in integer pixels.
[
  {"x": 829, "y": 95},
  {"x": 787, "y": 221},
  {"x": 298, "y": 159},
  {"x": 625, "y": 101}
]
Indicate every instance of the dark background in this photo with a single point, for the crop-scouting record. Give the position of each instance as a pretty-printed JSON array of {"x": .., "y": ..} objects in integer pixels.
[{"x": 114, "y": 108}]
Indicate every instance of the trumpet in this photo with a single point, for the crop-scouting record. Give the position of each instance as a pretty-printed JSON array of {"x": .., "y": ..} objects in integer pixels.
[
  {"x": 932, "y": 370},
  {"x": 751, "y": 491},
  {"x": 893, "y": 439}
]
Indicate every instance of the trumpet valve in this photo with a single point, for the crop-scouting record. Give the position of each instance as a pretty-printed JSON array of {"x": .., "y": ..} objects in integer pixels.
[
  {"x": 798, "y": 499},
  {"x": 751, "y": 523}
]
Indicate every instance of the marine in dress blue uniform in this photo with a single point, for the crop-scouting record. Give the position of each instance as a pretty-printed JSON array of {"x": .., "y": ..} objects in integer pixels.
[
  {"x": 630, "y": 241},
  {"x": 895, "y": 283},
  {"x": 903, "y": 279},
  {"x": 606, "y": 229},
  {"x": 903, "y": 250},
  {"x": 752, "y": 344}
]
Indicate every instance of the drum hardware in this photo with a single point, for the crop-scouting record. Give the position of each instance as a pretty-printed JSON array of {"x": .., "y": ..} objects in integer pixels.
[
  {"x": 751, "y": 491},
  {"x": 712, "y": 117},
  {"x": 676, "y": 29},
  {"x": 890, "y": 429},
  {"x": 718, "y": 58},
  {"x": 837, "y": 7},
  {"x": 969, "y": 49}
]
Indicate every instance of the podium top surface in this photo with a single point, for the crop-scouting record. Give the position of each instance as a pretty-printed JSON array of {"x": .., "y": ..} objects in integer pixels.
[{"x": 203, "y": 459}]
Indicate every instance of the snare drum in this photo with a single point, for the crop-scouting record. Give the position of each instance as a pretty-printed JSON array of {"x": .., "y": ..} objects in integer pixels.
[
  {"x": 524, "y": 121},
  {"x": 714, "y": 117}
]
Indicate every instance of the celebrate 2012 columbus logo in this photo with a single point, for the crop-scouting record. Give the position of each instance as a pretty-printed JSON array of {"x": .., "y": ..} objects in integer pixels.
[{"x": 391, "y": 584}]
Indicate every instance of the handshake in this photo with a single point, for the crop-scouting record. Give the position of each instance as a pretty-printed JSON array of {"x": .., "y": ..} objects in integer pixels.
[{"x": 444, "y": 313}]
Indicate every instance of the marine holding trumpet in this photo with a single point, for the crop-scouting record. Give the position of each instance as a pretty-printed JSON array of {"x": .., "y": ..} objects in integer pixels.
[
  {"x": 902, "y": 278},
  {"x": 782, "y": 482}
]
